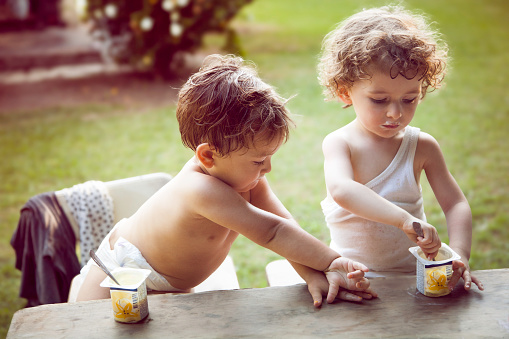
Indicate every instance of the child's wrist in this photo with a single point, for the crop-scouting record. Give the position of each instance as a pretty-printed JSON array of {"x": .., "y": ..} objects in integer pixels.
[
  {"x": 328, "y": 268},
  {"x": 406, "y": 221}
]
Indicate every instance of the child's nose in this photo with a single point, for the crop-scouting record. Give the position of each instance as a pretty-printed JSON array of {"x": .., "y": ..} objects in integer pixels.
[
  {"x": 394, "y": 111},
  {"x": 267, "y": 166}
]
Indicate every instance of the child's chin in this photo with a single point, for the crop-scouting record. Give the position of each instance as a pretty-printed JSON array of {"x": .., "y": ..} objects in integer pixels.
[{"x": 247, "y": 188}]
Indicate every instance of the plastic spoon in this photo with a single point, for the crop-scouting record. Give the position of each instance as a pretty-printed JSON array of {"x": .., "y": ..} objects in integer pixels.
[{"x": 102, "y": 266}]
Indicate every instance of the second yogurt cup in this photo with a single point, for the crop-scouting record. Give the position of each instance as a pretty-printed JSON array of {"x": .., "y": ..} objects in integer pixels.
[{"x": 433, "y": 276}]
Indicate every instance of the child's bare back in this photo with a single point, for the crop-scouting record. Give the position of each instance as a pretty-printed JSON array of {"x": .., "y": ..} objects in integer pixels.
[{"x": 177, "y": 242}]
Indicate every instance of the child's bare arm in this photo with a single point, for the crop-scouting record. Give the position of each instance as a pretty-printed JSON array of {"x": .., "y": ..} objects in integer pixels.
[
  {"x": 453, "y": 203},
  {"x": 335, "y": 284},
  {"x": 220, "y": 204},
  {"x": 364, "y": 202}
]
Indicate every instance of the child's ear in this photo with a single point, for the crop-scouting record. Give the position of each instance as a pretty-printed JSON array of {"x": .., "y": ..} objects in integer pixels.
[
  {"x": 205, "y": 154},
  {"x": 344, "y": 95}
]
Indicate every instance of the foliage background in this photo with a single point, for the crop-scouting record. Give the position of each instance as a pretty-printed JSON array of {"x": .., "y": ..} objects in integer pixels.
[
  {"x": 149, "y": 33},
  {"x": 44, "y": 150}
]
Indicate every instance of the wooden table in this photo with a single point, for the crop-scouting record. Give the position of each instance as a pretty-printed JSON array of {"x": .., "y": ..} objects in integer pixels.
[{"x": 287, "y": 312}]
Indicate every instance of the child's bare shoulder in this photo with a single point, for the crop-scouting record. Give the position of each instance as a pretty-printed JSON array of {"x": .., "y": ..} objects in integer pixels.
[
  {"x": 192, "y": 181},
  {"x": 427, "y": 143},
  {"x": 338, "y": 139},
  {"x": 195, "y": 185},
  {"x": 428, "y": 149}
]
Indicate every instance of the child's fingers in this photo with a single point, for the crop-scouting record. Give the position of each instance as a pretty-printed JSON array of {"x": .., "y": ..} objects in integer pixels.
[
  {"x": 367, "y": 294},
  {"x": 362, "y": 284},
  {"x": 430, "y": 248},
  {"x": 431, "y": 252},
  {"x": 426, "y": 236},
  {"x": 355, "y": 275},
  {"x": 457, "y": 264},
  {"x": 372, "y": 293},
  {"x": 348, "y": 296},
  {"x": 476, "y": 281},
  {"x": 316, "y": 294},
  {"x": 356, "y": 296},
  {"x": 431, "y": 255},
  {"x": 431, "y": 237},
  {"x": 333, "y": 292},
  {"x": 467, "y": 279},
  {"x": 461, "y": 271},
  {"x": 457, "y": 272},
  {"x": 359, "y": 266}
]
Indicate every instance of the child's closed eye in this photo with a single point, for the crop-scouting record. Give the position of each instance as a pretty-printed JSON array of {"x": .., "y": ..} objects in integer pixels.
[
  {"x": 379, "y": 101},
  {"x": 259, "y": 163},
  {"x": 384, "y": 101},
  {"x": 409, "y": 101}
]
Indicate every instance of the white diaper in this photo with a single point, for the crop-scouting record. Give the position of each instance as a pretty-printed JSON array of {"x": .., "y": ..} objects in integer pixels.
[{"x": 125, "y": 254}]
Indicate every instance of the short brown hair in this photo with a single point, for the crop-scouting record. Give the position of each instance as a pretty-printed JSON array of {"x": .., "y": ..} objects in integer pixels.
[
  {"x": 226, "y": 105},
  {"x": 390, "y": 38}
]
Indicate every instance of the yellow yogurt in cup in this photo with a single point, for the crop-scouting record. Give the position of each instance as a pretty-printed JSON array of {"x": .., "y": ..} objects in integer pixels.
[
  {"x": 433, "y": 276},
  {"x": 129, "y": 300}
]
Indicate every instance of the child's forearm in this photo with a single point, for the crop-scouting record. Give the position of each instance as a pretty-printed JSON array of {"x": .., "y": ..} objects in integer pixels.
[
  {"x": 296, "y": 245},
  {"x": 364, "y": 202},
  {"x": 304, "y": 272},
  {"x": 459, "y": 228}
]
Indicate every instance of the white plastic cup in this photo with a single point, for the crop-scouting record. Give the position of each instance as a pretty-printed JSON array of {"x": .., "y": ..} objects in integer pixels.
[
  {"x": 129, "y": 300},
  {"x": 433, "y": 276}
]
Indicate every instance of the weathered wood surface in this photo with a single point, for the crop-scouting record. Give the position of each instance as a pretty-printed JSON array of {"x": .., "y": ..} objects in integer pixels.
[{"x": 287, "y": 312}]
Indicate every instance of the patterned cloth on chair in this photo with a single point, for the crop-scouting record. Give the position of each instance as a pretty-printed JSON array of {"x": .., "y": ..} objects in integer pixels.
[{"x": 92, "y": 207}]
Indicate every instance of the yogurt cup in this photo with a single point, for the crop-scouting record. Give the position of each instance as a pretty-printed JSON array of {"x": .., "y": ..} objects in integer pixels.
[
  {"x": 129, "y": 300},
  {"x": 433, "y": 276}
]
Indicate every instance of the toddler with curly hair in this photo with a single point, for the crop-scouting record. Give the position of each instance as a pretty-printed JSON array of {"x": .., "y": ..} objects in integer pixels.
[{"x": 383, "y": 61}]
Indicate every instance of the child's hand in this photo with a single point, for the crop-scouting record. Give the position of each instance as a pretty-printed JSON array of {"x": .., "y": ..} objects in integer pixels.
[
  {"x": 424, "y": 235},
  {"x": 344, "y": 273},
  {"x": 460, "y": 270},
  {"x": 319, "y": 287}
]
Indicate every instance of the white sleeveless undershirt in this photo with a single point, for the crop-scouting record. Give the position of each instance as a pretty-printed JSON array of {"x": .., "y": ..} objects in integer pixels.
[{"x": 379, "y": 246}]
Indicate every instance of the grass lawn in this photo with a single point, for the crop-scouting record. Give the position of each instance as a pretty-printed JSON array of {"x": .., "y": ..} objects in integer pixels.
[{"x": 45, "y": 150}]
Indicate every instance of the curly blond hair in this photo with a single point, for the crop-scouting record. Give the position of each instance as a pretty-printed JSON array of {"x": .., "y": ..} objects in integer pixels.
[
  {"x": 389, "y": 39},
  {"x": 226, "y": 105}
]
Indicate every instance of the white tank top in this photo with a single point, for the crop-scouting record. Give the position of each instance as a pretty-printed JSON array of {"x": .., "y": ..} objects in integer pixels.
[{"x": 379, "y": 246}]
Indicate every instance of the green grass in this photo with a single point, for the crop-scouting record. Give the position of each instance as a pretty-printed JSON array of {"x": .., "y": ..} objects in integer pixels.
[{"x": 44, "y": 150}]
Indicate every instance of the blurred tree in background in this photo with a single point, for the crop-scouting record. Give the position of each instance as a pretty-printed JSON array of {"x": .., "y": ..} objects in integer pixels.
[{"x": 149, "y": 33}]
